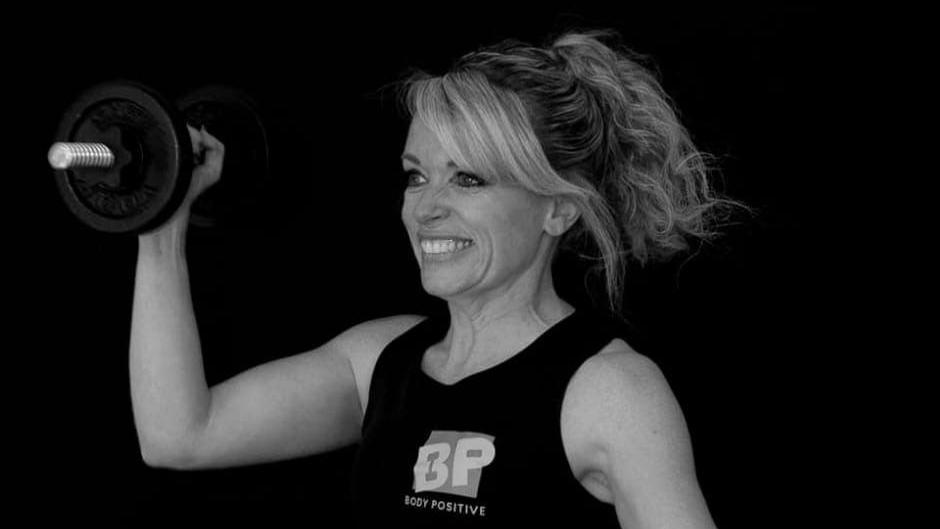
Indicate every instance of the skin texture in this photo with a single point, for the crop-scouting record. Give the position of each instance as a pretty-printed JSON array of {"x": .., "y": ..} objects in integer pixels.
[
  {"x": 626, "y": 440},
  {"x": 499, "y": 290}
]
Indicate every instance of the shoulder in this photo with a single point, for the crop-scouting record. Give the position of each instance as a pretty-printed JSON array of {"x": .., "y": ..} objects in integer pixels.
[
  {"x": 620, "y": 379},
  {"x": 362, "y": 344},
  {"x": 621, "y": 422},
  {"x": 376, "y": 333},
  {"x": 619, "y": 371},
  {"x": 618, "y": 399}
]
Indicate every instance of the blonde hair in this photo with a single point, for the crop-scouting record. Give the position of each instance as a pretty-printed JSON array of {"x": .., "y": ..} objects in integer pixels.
[{"x": 585, "y": 120}]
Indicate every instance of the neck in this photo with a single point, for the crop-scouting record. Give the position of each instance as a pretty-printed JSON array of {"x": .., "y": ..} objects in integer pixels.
[{"x": 488, "y": 329}]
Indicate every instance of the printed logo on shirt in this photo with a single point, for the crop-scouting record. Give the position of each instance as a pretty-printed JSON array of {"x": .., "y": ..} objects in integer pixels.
[{"x": 452, "y": 462}]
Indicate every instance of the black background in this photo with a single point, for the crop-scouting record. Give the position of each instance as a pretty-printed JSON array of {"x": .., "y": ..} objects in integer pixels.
[{"x": 744, "y": 328}]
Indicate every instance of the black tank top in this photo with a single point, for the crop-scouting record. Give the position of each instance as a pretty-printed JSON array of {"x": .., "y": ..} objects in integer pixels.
[{"x": 484, "y": 452}]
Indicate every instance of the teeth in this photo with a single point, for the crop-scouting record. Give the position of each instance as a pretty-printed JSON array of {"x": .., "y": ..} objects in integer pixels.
[{"x": 443, "y": 246}]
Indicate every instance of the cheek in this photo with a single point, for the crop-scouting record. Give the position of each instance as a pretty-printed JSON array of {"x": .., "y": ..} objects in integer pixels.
[
  {"x": 515, "y": 233},
  {"x": 406, "y": 216}
]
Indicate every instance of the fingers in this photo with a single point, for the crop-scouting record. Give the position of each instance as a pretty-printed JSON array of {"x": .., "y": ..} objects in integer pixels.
[
  {"x": 203, "y": 142},
  {"x": 213, "y": 151},
  {"x": 208, "y": 154},
  {"x": 196, "y": 137},
  {"x": 210, "y": 141},
  {"x": 208, "y": 151}
]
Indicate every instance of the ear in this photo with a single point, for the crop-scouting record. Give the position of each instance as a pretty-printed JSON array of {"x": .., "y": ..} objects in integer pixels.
[{"x": 562, "y": 214}]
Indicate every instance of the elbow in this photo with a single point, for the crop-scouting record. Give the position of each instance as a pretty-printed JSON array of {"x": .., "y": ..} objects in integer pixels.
[
  {"x": 166, "y": 455},
  {"x": 158, "y": 459}
]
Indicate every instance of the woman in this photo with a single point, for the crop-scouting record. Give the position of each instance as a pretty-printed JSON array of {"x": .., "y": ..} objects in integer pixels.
[{"x": 519, "y": 408}]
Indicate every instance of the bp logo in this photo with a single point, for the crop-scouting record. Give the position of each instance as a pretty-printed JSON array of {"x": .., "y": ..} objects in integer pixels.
[{"x": 452, "y": 462}]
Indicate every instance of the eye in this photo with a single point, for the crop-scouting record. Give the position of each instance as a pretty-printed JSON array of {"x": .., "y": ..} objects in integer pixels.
[
  {"x": 412, "y": 177},
  {"x": 465, "y": 179}
]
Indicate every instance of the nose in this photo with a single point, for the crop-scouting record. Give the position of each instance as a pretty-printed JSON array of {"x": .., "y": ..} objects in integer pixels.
[{"x": 430, "y": 206}]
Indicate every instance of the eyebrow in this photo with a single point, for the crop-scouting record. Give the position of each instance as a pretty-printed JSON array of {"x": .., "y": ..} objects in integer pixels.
[
  {"x": 411, "y": 158},
  {"x": 414, "y": 159}
]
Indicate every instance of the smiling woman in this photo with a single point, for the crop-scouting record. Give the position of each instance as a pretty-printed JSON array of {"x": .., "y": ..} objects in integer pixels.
[
  {"x": 470, "y": 233},
  {"x": 514, "y": 154},
  {"x": 519, "y": 409},
  {"x": 581, "y": 121}
]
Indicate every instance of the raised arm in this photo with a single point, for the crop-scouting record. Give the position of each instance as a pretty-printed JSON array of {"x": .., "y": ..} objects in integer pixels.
[
  {"x": 300, "y": 405},
  {"x": 168, "y": 388}
]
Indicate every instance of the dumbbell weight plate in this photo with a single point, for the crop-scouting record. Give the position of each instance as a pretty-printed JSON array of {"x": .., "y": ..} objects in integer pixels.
[
  {"x": 233, "y": 117},
  {"x": 153, "y": 155}
]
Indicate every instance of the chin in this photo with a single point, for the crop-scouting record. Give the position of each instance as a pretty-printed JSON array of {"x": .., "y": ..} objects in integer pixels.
[
  {"x": 441, "y": 286},
  {"x": 440, "y": 289}
]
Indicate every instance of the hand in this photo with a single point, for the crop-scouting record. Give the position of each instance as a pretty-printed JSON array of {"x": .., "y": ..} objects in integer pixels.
[{"x": 208, "y": 155}]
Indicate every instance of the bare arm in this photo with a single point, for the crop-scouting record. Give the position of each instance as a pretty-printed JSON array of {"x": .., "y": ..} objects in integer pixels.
[
  {"x": 169, "y": 393},
  {"x": 168, "y": 387},
  {"x": 300, "y": 405},
  {"x": 305, "y": 404},
  {"x": 625, "y": 414}
]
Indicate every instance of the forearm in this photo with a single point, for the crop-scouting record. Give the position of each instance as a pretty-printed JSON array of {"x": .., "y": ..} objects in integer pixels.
[{"x": 170, "y": 396}]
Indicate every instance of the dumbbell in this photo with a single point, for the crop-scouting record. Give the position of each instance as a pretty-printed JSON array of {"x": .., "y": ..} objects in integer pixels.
[{"x": 123, "y": 157}]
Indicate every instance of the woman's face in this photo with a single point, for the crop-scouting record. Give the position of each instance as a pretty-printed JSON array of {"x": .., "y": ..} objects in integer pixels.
[{"x": 471, "y": 236}]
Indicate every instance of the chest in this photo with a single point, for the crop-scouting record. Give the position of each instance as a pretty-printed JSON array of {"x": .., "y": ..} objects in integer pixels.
[{"x": 488, "y": 431}]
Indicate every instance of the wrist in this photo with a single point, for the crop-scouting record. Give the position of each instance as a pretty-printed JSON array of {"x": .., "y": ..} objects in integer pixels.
[{"x": 168, "y": 239}]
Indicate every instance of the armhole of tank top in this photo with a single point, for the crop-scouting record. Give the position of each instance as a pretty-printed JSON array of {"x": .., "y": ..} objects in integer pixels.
[{"x": 383, "y": 359}]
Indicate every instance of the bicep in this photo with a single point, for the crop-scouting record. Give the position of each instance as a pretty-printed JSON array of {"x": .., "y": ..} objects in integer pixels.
[
  {"x": 642, "y": 445},
  {"x": 300, "y": 405}
]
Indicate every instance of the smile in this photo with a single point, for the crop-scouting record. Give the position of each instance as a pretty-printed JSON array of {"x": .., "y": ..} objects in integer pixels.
[{"x": 442, "y": 247}]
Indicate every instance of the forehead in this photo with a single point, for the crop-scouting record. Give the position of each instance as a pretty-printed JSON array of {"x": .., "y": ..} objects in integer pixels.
[{"x": 424, "y": 144}]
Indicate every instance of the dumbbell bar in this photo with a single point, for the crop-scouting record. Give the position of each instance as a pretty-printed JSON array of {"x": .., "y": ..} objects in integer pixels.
[
  {"x": 123, "y": 156},
  {"x": 64, "y": 155}
]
